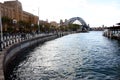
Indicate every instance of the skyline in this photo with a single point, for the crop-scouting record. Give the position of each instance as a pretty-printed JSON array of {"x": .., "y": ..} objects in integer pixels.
[{"x": 95, "y": 13}]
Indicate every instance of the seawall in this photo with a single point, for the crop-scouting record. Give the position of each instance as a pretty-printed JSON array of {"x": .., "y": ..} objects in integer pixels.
[
  {"x": 10, "y": 52},
  {"x": 7, "y": 55}
]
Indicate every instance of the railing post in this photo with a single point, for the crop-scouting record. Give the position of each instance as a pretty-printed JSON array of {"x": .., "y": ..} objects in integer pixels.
[{"x": 1, "y": 45}]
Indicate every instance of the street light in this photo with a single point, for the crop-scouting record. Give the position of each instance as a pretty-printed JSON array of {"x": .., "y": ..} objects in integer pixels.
[
  {"x": 1, "y": 27},
  {"x": 38, "y": 22},
  {"x": 32, "y": 25},
  {"x": 14, "y": 22},
  {"x": 1, "y": 32},
  {"x": 43, "y": 26}
]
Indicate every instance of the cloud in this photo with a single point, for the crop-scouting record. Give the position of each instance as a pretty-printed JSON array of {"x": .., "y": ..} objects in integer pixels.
[
  {"x": 104, "y": 14},
  {"x": 94, "y": 12}
]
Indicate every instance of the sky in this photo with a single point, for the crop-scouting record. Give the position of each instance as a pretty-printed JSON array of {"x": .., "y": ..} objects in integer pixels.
[{"x": 95, "y": 12}]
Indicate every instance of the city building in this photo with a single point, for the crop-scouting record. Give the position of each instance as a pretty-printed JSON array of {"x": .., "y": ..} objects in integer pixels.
[
  {"x": 53, "y": 23},
  {"x": 14, "y": 11},
  {"x": 61, "y": 22},
  {"x": 42, "y": 22},
  {"x": 66, "y": 22}
]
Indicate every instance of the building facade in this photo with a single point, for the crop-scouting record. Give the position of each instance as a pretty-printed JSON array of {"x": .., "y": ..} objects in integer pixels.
[
  {"x": 14, "y": 11},
  {"x": 54, "y": 23}
]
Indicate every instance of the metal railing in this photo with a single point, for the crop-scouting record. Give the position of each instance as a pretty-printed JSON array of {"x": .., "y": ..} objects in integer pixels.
[{"x": 16, "y": 38}]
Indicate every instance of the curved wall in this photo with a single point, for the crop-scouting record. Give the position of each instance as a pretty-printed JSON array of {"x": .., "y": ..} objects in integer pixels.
[{"x": 12, "y": 52}]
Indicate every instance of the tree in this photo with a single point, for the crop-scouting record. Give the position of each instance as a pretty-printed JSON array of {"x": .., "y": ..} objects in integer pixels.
[
  {"x": 74, "y": 27},
  {"x": 6, "y": 20},
  {"x": 118, "y": 23}
]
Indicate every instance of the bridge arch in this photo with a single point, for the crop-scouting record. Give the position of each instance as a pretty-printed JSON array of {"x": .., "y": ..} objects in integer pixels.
[{"x": 84, "y": 25}]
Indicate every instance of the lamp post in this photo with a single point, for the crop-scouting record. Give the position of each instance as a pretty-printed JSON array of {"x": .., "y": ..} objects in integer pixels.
[
  {"x": 43, "y": 26},
  {"x": 14, "y": 22},
  {"x": 32, "y": 25},
  {"x": 1, "y": 32},
  {"x": 38, "y": 22}
]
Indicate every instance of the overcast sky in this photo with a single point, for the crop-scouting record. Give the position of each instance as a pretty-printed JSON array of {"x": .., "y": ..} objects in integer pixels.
[{"x": 94, "y": 12}]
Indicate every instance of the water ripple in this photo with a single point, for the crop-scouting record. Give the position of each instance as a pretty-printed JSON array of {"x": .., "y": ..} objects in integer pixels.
[{"x": 82, "y": 56}]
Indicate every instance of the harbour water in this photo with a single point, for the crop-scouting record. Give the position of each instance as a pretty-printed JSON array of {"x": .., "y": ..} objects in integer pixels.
[{"x": 80, "y": 56}]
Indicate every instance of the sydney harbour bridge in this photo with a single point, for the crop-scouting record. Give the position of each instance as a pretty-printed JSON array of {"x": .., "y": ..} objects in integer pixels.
[{"x": 84, "y": 26}]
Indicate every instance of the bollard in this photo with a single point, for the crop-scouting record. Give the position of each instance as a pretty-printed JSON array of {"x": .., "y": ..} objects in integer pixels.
[
  {"x": 19, "y": 39},
  {"x": 12, "y": 39},
  {"x": 7, "y": 43},
  {"x": 10, "y": 42},
  {"x": 15, "y": 39},
  {"x": 4, "y": 38},
  {"x": 7, "y": 40},
  {"x": 3, "y": 43}
]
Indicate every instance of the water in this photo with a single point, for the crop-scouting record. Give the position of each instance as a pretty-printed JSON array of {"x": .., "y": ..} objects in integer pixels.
[{"x": 81, "y": 56}]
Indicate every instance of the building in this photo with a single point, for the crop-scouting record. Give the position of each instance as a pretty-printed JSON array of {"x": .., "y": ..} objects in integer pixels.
[
  {"x": 53, "y": 23},
  {"x": 14, "y": 11},
  {"x": 66, "y": 22},
  {"x": 42, "y": 22},
  {"x": 61, "y": 22}
]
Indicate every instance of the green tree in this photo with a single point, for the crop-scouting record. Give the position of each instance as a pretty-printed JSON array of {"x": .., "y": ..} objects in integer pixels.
[
  {"x": 74, "y": 27},
  {"x": 6, "y": 20}
]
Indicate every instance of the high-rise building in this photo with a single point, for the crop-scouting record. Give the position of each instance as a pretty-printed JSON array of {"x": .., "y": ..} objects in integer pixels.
[
  {"x": 61, "y": 22},
  {"x": 66, "y": 22}
]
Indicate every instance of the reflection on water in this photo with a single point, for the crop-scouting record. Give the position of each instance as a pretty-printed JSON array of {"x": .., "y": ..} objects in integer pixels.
[{"x": 82, "y": 56}]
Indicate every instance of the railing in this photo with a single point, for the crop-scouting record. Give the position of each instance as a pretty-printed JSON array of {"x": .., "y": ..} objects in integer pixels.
[
  {"x": 16, "y": 38},
  {"x": 114, "y": 34}
]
